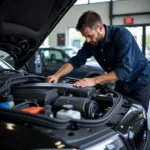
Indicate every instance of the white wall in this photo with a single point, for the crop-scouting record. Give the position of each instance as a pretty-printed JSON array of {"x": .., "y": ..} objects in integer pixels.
[
  {"x": 120, "y": 7},
  {"x": 132, "y": 6}
]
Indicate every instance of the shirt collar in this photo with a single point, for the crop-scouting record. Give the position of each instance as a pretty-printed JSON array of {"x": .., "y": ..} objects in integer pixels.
[{"x": 107, "y": 34}]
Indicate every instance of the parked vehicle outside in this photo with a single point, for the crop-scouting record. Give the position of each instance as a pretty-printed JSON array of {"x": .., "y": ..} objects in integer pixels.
[{"x": 54, "y": 58}]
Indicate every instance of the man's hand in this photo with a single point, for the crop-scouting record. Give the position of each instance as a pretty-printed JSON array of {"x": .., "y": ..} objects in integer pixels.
[
  {"x": 54, "y": 78},
  {"x": 86, "y": 82},
  {"x": 102, "y": 79},
  {"x": 65, "y": 69}
]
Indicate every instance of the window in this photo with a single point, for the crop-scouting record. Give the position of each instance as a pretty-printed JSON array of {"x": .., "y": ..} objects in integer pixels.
[
  {"x": 147, "y": 48},
  {"x": 75, "y": 38},
  {"x": 79, "y": 2},
  {"x": 55, "y": 55},
  {"x": 8, "y": 59},
  {"x": 97, "y": 1},
  {"x": 71, "y": 51},
  {"x": 46, "y": 54},
  {"x": 4, "y": 65},
  {"x": 51, "y": 55},
  {"x": 137, "y": 35}
]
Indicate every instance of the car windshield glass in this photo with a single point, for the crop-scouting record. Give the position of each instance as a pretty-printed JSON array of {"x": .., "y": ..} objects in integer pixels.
[
  {"x": 73, "y": 51},
  {"x": 6, "y": 61},
  {"x": 70, "y": 52},
  {"x": 4, "y": 65}
]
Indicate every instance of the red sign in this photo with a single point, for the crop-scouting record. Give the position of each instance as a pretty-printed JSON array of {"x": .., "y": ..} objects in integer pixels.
[{"x": 128, "y": 20}]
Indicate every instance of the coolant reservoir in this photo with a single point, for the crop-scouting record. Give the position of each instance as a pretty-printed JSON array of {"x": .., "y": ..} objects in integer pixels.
[
  {"x": 7, "y": 102},
  {"x": 68, "y": 113}
]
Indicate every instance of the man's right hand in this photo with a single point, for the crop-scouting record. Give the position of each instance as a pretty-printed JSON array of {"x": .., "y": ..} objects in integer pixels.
[
  {"x": 65, "y": 69},
  {"x": 54, "y": 78}
]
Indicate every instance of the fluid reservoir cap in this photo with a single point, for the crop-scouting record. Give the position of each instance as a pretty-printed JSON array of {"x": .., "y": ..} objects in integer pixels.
[{"x": 67, "y": 107}]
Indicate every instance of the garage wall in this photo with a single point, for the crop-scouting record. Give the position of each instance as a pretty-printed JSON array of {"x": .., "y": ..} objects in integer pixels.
[
  {"x": 132, "y": 6},
  {"x": 120, "y": 7}
]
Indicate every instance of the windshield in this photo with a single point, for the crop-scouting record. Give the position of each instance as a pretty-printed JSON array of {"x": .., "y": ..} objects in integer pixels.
[
  {"x": 4, "y": 65},
  {"x": 6, "y": 61},
  {"x": 70, "y": 52}
]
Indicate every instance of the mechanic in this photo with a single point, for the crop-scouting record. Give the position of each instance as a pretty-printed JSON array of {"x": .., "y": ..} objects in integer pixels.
[{"x": 118, "y": 53}]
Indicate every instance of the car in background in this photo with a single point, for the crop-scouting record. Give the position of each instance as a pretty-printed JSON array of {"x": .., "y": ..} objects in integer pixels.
[
  {"x": 70, "y": 50},
  {"x": 54, "y": 58},
  {"x": 35, "y": 115}
]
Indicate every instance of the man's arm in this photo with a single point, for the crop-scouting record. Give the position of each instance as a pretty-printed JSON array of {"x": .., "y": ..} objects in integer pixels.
[
  {"x": 75, "y": 62},
  {"x": 65, "y": 69},
  {"x": 106, "y": 78}
]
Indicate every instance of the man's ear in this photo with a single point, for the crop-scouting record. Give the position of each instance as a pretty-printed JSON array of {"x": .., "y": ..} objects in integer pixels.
[{"x": 100, "y": 27}]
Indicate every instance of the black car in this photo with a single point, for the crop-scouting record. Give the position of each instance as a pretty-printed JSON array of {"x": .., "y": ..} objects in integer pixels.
[
  {"x": 54, "y": 58},
  {"x": 35, "y": 115},
  {"x": 70, "y": 50}
]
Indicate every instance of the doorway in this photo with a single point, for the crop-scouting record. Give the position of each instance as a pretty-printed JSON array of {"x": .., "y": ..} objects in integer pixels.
[
  {"x": 141, "y": 34},
  {"x": 137, "y": 32}
]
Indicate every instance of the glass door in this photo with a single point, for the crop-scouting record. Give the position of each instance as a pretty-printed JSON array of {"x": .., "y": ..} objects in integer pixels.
[
  {"x": 147, "y": 43},
  {"x": 75, "y": 38},
  {"x": 137, "y": 32}
]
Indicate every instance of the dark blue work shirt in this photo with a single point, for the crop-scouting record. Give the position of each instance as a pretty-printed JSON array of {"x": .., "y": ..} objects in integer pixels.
[{"x": 119, "y": 53}]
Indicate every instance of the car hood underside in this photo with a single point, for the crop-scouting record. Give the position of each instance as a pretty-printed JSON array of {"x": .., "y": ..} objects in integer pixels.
[{"x": 24, "y": 25}]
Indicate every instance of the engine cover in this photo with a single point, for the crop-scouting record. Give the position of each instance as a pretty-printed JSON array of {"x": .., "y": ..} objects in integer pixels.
[{"x": 61, "y": 88}]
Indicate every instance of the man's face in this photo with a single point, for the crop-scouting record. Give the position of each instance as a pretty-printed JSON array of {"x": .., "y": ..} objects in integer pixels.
[{"x": 93, "y": 36}]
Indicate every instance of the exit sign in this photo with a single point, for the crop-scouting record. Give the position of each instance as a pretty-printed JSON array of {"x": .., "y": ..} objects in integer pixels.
[{"x": 128, "y": 20}]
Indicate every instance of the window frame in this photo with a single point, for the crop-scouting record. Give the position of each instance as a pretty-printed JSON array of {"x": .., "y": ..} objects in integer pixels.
[{"x": 90, "y": 2}]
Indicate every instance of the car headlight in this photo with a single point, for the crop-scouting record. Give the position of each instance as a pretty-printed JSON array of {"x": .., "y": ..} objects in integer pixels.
[{"x": 113, "y": 143}]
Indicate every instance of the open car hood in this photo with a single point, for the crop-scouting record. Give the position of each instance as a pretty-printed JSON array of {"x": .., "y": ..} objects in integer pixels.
[{"x": 24, "y": 25}]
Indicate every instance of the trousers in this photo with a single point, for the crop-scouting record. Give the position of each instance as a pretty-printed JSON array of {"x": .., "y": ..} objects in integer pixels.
[{"x": 141, "y": 94}]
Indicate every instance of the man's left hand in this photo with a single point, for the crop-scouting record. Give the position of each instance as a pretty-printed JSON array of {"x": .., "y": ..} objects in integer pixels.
[{"x": 86, "y": 82}]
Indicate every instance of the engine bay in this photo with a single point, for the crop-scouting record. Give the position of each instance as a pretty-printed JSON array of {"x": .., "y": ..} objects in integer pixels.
[{"x": 61, "y": 100}]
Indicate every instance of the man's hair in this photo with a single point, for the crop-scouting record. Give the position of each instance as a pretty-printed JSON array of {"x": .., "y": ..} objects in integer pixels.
[{"x": 88, "y": 19}]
